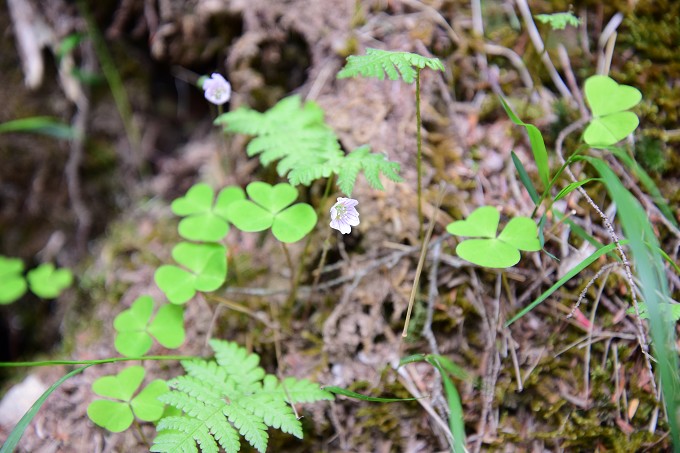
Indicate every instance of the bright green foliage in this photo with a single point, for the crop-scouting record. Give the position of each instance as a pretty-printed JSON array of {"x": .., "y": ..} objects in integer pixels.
[
  {"x": 207, "y": 271},
  {"x": 371, "y": 163},
  {"x": 135, "y": 332},
  {"x": 521, "y": 233},
  {"x": 378, "y": 63},
  {"x": 44, "y": 125},
  {"x": 47, "y": 282},
  {"x": 117, "y": 413},
  {"x": 609, "y": 103},
  {"x": 270, "y": 207},
  {"x": 204, "y": 217},
  {"x": 297, "y": 136},
  {"x": 559, "y": 21},
  {"x": 537, "y": 145},
  {"x": 669, "y": 311},
  {"x": 12, "y": 283},
  {"x": 232, "y": 397}
]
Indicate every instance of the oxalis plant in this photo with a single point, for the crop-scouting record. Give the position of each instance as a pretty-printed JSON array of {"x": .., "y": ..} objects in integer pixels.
[
  {"x": 610, "y": 122},
  {"x": 216, "y": 403}
]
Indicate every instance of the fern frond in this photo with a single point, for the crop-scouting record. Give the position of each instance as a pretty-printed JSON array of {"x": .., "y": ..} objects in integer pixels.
[
  {"x": 249, "y": 425},
  {"x": 181, "y": 434},
  {"x": 306, "y": 148},
  {"x": 240, "y": 365},
  {"x": 373, "y": 164},
  {"x": 378, "y": 63},
  {"x": 221, "y": 401}
]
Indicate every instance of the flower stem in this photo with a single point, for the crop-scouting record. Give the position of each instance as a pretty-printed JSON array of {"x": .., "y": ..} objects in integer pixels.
[
  {"x": 419, "y": 157},
  {"x": 293, "y": 273}
]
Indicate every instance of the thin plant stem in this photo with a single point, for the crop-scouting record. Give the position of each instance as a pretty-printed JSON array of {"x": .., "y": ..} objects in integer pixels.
[
  {"x": 141, "y": 433},
  {"x": 322, "y": 262},
  {"x": 421, "y": 263},
  {"x": 305, "y": 251},
  {"x": 293, "y": 277},
  {"x": 419, "y": 157}
]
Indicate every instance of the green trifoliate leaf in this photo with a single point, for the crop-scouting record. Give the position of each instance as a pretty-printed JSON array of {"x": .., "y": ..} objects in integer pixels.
[
  {"x": 117, "y": 415},
  {"x": 12, "y": 282},
  {"x": 205, "y": 269},
  {"x": 47, "y": 282},
  {"x": 270, "y": 209},
  {"x": 134, "y": 333},
  {"x": 609, "y": 102},
  {"x": 205, "y": 218},
  {"x": 521, "y": 233}
]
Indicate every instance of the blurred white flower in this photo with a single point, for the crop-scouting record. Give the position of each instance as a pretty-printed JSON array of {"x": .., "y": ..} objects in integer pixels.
[
  {"x": 217, "y": 89},
  {"x": 344, "y": 215}
]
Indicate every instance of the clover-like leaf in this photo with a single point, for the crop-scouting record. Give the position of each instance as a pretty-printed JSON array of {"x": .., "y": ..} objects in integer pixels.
[
  {"x": 482, "y": 222},
  {"x": 47, "y": 282},
  {"x": 12, "y": 283},
  {"x": 270, "y": 208},
  {"x": 272, "y": 198},
  {"x": 116, "y": 414},
  {"x": 609, "y": 102},
  {"x": 205, "y": 218},
  {"x": 146, "y": 405},
  {"x": 168, "y": 326},
  {"x": 521, "y": 232},
  {"x": 132, "y": 339},
  {"x": 294, "y": 223},
  {"x": 134, "y": 333},
  {"x": 207, "y": 271},
  {"x": 489, "y": 250}
]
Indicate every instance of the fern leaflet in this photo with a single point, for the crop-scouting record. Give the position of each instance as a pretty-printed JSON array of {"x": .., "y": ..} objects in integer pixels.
[
  {"x": 371, "y": 163},
  {"x": 306, "y": 148},
  {"x": 378, "y": 63},
  {"x": 232, "y": 397}
]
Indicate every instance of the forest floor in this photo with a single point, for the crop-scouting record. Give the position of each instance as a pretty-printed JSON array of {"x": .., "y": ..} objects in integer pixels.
[{"x": 548, "y": 382}]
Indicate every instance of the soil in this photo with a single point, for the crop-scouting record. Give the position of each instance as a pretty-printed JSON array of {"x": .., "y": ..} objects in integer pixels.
[{"x": 549, "y": 382}]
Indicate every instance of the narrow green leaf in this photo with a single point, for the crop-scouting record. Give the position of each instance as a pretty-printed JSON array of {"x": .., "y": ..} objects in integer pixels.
[
  {"x": 537, "y": 144},
  {"x": 351, "y": 394},
  {"x": 15, "y": 436},
  {"x": 524, "y": 177},
  {"x": 568, "y": 276},
  {"x": 654, "y": 287},
  {"x": 573, "y": 186},
  {"x": 40, "y": 125}
]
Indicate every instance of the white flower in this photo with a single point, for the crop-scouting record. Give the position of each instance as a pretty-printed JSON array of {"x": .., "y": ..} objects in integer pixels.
[
  {"x": 217, "y": 89},
  {"x": 344, "y": 215}
]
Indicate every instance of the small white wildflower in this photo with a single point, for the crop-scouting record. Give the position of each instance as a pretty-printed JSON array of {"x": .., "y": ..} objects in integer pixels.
[
  {"x": 217, "y": 89},
  {"x": 344, "y": 215}
]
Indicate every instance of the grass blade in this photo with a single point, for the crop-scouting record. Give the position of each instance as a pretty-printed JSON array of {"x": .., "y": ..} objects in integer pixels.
[
  {"x": 18, "y": 431},
  {"x": 524, "y": 177},
  {"x": 653, "y": 285},
  {"x": 43, "y": 125},
  {"x": 359, "y": 396},
  {"x": 537, "y": 144},
  {"x": 568, "y": 276}
]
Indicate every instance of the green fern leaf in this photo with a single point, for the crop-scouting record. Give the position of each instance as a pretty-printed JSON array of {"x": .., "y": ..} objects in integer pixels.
[
  {"x": 379, "y": 63},
  {"x": 373, "y": 164},
  {"x": 232, "y": 397},
  {"x": 306, "y": 148}
]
